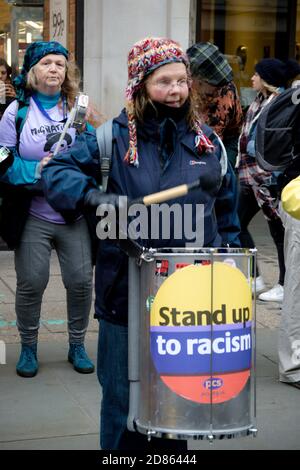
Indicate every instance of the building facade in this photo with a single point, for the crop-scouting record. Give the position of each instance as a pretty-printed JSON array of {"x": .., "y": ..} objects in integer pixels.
[{"x": 99, "y": 33}]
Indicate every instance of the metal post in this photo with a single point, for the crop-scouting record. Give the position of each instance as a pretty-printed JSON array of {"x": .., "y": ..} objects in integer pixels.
[{"x": 133, "y": 340}]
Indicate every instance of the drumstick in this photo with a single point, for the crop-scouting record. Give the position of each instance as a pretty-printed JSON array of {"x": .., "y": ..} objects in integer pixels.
[
  {"x": 66, "y": 127},
  {"x": 168, "y": 194},
  {"x": 176, "y": 191}
]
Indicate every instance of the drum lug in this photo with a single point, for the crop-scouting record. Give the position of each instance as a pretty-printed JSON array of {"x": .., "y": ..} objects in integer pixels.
[
  {"x": 150, "y": 433},
  {"x": 147, "y": 255},
  {"x": 253, "y": 431}
]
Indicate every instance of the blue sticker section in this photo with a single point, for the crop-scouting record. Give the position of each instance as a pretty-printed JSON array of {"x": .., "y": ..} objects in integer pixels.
[
  {"x": 202, "y": 327},
  {"x": 200, "y": 352}
]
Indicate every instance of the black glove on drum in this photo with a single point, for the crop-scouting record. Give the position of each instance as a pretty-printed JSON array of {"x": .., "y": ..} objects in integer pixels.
[{"x": 94, "y": 198}]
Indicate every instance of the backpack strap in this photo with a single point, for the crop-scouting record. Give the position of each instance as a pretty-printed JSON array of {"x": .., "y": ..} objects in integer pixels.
[
  {"x": 104, "y": 134},
  {"x": 223, "y": 157},
  {"x": 21, "y": 116}
]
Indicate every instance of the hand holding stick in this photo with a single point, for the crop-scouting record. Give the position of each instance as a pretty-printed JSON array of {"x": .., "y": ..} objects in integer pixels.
[
  {"x": 66, "y": 127},
  {"x": 206, "y": 184}
]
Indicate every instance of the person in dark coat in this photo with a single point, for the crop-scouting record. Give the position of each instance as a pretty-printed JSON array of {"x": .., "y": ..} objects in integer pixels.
[{"x": 158, "y": 142}]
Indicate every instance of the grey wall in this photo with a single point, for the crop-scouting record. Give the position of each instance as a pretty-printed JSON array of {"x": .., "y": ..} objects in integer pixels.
[{"x": 111, "y": 28}]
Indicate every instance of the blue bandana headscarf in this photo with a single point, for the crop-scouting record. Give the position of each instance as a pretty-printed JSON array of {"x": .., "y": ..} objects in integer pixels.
[{"x": 34, "y": 53}]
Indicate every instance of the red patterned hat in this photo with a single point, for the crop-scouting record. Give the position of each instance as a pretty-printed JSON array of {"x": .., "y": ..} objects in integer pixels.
[{"x": 144, "y": 57}]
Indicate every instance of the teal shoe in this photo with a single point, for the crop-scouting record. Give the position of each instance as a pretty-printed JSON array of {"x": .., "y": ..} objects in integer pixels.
[
  {"x": 27, "y": 365},
  {"x": 80, "y": 360}
]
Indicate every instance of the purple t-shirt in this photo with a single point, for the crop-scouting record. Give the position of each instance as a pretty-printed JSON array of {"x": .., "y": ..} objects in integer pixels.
[{"x": 38, "y": 137}]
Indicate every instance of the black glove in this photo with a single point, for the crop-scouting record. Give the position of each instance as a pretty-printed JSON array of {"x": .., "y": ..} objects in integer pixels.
[
  {"x": 208, "y": 183},
  {"x": 94, "y": 198},
  {"x": 6, "y": 159}
]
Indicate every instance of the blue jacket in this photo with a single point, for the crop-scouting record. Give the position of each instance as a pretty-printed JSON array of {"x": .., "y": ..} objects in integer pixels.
[{"x": 68, "y": 177}]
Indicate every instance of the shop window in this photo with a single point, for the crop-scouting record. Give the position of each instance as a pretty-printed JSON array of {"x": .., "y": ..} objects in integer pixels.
[
  {"x": 297, "y": 42},
  {"x": 5, "y": 34},
  {"x": 21, "y": 23},
  {"x": 246, "y": 32}
]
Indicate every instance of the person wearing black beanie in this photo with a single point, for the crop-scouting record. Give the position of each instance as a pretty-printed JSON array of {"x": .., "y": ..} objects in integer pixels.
[
  {"x": 258, "y": 188},
  {"x": 292, "y": 73},
  {"x": 272, "y": 71}
]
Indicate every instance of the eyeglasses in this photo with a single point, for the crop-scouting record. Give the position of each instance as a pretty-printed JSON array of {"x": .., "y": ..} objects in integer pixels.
[{"x": 166, "y": 84}]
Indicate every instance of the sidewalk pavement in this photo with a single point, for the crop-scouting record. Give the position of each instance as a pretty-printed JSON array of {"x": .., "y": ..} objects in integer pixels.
[{"x": 59, "y": 408}]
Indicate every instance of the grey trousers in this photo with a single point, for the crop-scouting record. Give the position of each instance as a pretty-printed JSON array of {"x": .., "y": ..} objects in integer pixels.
[
  {"x": 32, "y": 263},
  {"x": 289, "y": 333}
]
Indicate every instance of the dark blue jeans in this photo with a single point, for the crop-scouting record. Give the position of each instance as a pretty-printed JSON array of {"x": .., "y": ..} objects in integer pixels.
[{"x": 112, "y": 373}]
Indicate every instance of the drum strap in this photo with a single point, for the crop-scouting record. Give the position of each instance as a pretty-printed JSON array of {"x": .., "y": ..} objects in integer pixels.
[{"x": 104, "y": 134}]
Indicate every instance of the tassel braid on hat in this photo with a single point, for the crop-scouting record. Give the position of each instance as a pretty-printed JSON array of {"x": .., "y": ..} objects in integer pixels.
[{"x": 143, "y": 58}]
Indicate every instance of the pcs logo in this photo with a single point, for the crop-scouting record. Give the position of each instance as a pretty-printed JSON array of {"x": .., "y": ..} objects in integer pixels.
[{"x": 213, "y": 383}]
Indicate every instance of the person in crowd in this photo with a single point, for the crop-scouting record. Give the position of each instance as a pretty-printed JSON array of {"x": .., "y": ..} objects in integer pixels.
[
  {"x": 7, "y": 91},
  {"x": 218, "y": 98},
  {"x": 158, "y": 142},
  {"x": 30, "y": 128},
  {"x": 292, "y": 73},
  {"x": 7, "y": 95},
  {"x": 289, "y": 331},
  {"x": 258, "y": 188}
]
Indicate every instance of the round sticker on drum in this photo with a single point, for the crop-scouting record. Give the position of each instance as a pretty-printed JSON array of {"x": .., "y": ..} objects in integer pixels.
[{"x": 201, "y": 332}]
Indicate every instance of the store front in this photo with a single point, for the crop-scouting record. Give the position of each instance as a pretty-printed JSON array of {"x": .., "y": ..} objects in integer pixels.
[
  {"x": 98, "y": 34},
  {"x": 21, "y": 23},
  {"x": 26, "y": 21},
  {"x": 247, "y": 31}
]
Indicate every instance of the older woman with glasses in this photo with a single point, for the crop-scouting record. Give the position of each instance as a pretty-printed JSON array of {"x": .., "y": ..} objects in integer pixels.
[{"x": 158, "y": 142}]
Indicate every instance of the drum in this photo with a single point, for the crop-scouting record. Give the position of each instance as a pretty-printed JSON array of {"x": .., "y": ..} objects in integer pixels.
[{"x": 192, "y": 343}]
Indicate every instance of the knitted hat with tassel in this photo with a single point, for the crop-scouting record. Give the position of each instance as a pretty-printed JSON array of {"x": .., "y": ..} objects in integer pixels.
[{"x": 143, "y": 58}]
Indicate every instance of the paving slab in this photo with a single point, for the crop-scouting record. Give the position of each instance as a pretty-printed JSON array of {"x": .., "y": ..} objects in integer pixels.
[{"x": 57, "y": 402}]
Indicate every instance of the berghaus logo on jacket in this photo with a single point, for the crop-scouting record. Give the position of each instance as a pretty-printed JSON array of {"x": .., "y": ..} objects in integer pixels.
[{"x": 197, "y": 162}]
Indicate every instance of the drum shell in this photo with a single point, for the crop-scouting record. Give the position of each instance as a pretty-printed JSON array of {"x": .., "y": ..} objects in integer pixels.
[{"x": 161, "y": 412}]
